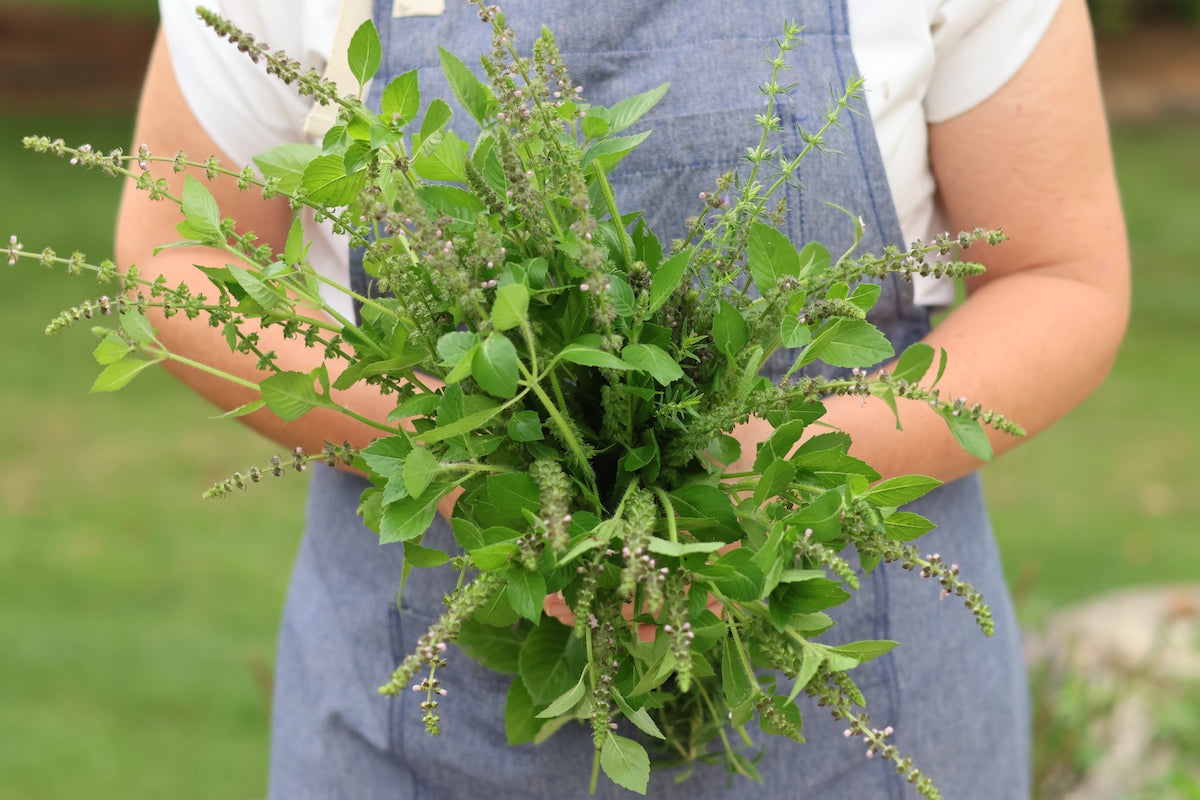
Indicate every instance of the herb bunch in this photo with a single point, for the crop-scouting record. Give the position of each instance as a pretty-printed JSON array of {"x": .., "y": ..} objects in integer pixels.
[{"x": 578, "y": 382}]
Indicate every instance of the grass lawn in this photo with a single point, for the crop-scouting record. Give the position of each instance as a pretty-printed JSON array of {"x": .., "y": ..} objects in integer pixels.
[{"x": 138, "y": 628}]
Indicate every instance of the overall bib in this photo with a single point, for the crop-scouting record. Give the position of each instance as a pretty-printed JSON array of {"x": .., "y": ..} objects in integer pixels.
[{"x": 957, "y": 700}]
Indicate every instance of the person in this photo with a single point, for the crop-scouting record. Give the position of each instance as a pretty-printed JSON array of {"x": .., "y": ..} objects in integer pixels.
[{"x": 976, "y": 113}]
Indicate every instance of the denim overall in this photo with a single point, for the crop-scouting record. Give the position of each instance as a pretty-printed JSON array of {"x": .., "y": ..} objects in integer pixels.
[{"x": 957, "y": 700}]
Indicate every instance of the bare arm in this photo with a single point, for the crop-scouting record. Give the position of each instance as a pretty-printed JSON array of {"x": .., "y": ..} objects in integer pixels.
[
  {"x": 1040, "y": 330},
  {"x": 166, "y": 124}
]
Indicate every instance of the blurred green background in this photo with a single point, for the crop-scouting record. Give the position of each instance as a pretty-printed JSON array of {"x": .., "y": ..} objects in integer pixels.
[{"x": 137, "y": 621}]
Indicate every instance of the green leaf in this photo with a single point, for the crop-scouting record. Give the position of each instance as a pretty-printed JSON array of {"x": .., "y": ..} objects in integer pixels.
[
  {"x": 436, "y": 116},
  {"x": 241, "y": 411},
  {"x": 453, "y": 201},
  {"x": 737, "y": 677},
  {"x": 865, "y": 295},
  {"x": 112, "y": 348},
  {"x": 786, "y": 721},
  {"x": 666, "y": 279},
  {"x": 654, "y": 360},
  {"x": 626, "y": 763},
  {"x": 365, "y": 52},
  {"x": 495, "y": 366},
  {"x": 290, "y": 395},
  {"x": 455, "y": 345},
  {"x": 445, "y": 161},
  {"x": 511, "y": 307},
  {"x": 814, "y": 258},
  {"x": 725, "y": 449},
  {"x": 770, "y": 256},
  {"x": 608, "y": 152},
  {"x": 520, "y": 725},
  {"x": 631, "y": 109},
  {"x": 526, "y": 592},
  {"x": 969, "y": 434},
  {"x": 119, "y": 373},
  {"x": 525, "y": 426},
  {"x": 460, "y": 426},
  {"x": 472, "y": 94},
  {"x": 325, "y": 181},
  {"x": 914, "y": 362},
  {"x": 729, "y": 330},
  {"x": 638, "y": 716},
  {"x": 702, "y": 508},
  {"x": 793, "y": 332},
  {"x": 286, "y": 162},
  {"x": 386, "y": 456},
  {"x": 263, "y": 293},
  {"x": 420, "y": 467},
  {"x": 865, "y": 650},
  {"x": 401, "y": 99},
  {"x": 495, "y": 648},
  {"x": 566, "y": 701},
  {"x": 547, "y": 665},
  {"x": 735, "y": 575},
  {"x": 199, "y": 207},
  {"x": 900, "y": 490},
  {"x": 904, "y": 526},
  {"x": 409, "y": 517},
  {"x": 854, "y": 343},
  {"x": 416, "y": 555},
  {"x": 586, "y": 352}
]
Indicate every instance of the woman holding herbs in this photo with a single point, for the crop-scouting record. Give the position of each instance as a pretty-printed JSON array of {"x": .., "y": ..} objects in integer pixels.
[{"x": 975, "y": 112}]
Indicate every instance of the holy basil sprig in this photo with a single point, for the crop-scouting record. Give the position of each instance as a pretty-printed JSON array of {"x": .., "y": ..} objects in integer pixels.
[{"x": 578, "y": 383}]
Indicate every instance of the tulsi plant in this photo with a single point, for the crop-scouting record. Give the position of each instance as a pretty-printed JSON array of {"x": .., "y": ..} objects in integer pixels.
[{"x": 579, "y": 383}]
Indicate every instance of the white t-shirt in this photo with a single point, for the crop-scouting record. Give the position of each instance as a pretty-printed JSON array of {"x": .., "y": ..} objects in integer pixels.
[{"x": 923, "y": 60}]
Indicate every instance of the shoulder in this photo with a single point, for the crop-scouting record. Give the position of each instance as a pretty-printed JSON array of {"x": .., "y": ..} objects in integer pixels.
[{"x": 242, "y": 108}]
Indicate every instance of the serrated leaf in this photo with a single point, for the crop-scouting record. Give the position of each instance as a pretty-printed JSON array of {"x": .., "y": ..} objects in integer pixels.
[
  {"x": 409, "y": 517},
  {"x": 904, "y": 526},
  {"x": 547, "y": 666},
  {"x": 200, "y": 210},
  {"x": 453, "y": 201},
  {"x": 436, "y": 116},
  {"x": 495, "y": 648},
  {"x": 325, "y": 181},
  {"x": 112, "y": 348},
  {"x": 496, "y": 366},
  {"x": 770, "y": 256},
  {"x": 511, "y": 307},
  {"x": 666, "y": 278},
  {"x": 737, "y": 677},
  {"x": 401, "y": 99},
  {"x": 263, "y": 293},
  {"x": 586, "y": 352},
  {"x": 566, "y": 701},
  {"x": 365, "y": 52},
  {"x": 631, "y": 109},
  {"x": 520, "y": 725},
  {"x": 472, "y": 94},
  {"x": 900, "y": 490},
  {"x": 608, "y": 152},
  {"x": 914, "y": 362},
  {"x": 626, "y": 763},
  {"x": 638, "y": 716},
  {"x": 290, "y": 395},
  {"x": 866, "y": 650},
  {"x": 526, "y": 592},
  {"x": 420, "y": 467},
  {"x": 416, "y": 555},
  {"x": 460, "y": 426},
  {"x": 729, "y": 330},
  {"x": 854, "y": 343},
  {"x": 119, "y": 373},
  {"x": 446, "y": 161},
  {"x": 286, "y": 162},
  {"x": 654, "y": 360},
  {"x": 525, "y": 426},
  {"x": 969, "y": 434}
]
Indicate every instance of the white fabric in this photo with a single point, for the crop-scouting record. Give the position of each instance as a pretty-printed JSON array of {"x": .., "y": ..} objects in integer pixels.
[{"x": 924, "y": 61}]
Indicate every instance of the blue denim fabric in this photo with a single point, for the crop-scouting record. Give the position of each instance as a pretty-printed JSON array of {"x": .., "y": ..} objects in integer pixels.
[{"x": 957, "y": 700}]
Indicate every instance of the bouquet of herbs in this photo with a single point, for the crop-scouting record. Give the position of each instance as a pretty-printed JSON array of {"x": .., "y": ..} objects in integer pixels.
[{"x": 578, "y": 382}]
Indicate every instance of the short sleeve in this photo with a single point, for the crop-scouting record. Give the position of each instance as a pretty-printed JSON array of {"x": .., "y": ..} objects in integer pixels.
[
  {"x": 244, "y": 110},
  {"x": 978, "y": 46}
]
